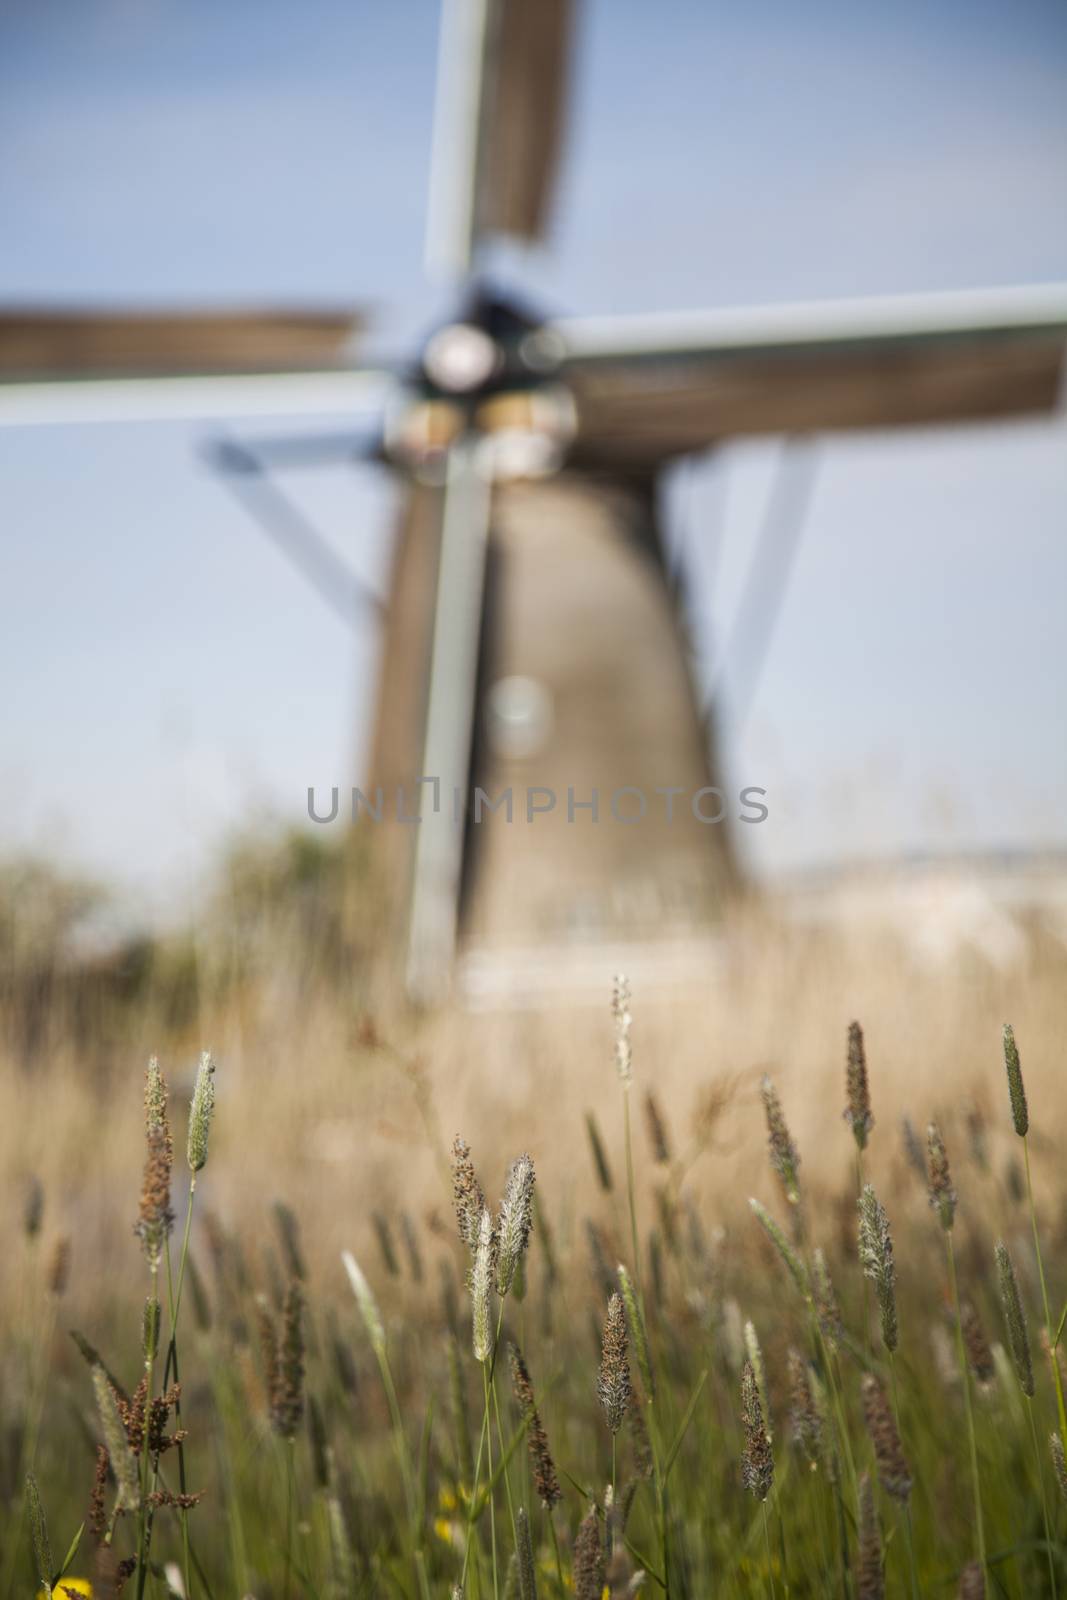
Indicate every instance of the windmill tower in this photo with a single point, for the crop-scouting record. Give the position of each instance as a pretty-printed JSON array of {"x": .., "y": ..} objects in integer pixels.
[{"x": 532, "y": 643}]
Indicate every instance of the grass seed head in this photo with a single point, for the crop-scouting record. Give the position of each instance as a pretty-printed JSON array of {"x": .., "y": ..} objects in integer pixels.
[
  {"x": 467, "y": 1193},
  {"x": 155, "y": 1217},
  {"x": 620, "y": 1010},
  {"x": 757, "y": 1462},
  {"x": 870, "y": 1579},
  {"x": 1059, "y": 1463},
  {"x": 123, "y": 1460},
  {"x": 637, "y": 1330},
  {"x": 657, "y": 1130},
  {"x": 827, "y": 1309},
  {"x": 804, "y": 1418},
  {"x": 755, "y": 1356},
  {"x": 893, "y": 1472},
  {"x": 368, "y": 1305},
  {"x": 600, "y": 1159},
  {"x": 481, "y": 1282},
  {"x": 525, "y": 1555},
  {"x": 972, "y": 1582},
  {"x": 939, "y": 1177},
  {"x": 876, "y": 1258},
  {"x": 33, "y": 1208},
  {"x": 588, "y": 1559},
  {"x": 613, "y": 1380},
  {"x": 785, "y": 1158},
  {"x": 58, "y": 1275},
  {"x": 1020, "y": 1113},
  {"x": 546, "y": 1481},
  {"x": 287, "y": 1395},
  {"x": 42, "y": 1550},
  {"x": 858, "y": 1110},
  {"x": 516, "y": 1220},
  {"x": 201, "y": 1112},
  {"x": 979, "y": 1355}
]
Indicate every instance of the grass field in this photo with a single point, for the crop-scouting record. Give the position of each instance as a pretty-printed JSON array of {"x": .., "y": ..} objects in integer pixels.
[{"x": 569, "y": 1358}]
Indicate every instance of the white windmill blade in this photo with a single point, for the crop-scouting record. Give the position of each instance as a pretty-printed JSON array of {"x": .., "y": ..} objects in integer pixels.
[
  {"x": 191, "y": 398},
  {"x": 503, "y": 68},
  {"x": 941, "y": 313}
]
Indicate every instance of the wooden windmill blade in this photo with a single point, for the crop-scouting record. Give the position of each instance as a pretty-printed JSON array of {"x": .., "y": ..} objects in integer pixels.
[
  {"x": 43, "y": 342},
  {"x": 648, "y": 388},
  {"x": 85, "y": 366},
  {"x": 503, "y": 74}
]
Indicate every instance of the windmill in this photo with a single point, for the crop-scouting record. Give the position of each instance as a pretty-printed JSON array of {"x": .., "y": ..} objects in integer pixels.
[{"x": 533, "y": 644}]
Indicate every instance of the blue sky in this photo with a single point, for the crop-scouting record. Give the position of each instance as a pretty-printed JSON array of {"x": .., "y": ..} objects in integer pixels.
[{"x": 167, "y": 674}]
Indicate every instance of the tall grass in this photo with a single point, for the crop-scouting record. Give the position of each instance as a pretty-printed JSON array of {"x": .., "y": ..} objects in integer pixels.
[{"x": 639, "y": 1384}]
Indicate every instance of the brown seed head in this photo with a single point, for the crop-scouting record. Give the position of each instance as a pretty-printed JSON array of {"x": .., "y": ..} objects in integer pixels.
[
  {"x": 979, "y": 1355},
  {"x": 287, "y": 1392},
  {"x": 870, "y": 1580},
  {"x": 59, "y": 1267},
  {"x": 466, "y": 1193},
  {"x": 803, "y": 1415},
  {"x": 588, "y": 1560},
  {"x": 893, "y": 1472},
  {"x": 544, "y": 1468},
  {"x": 156, "y": 1217},
  {"x": 784, "y": 1157},
  {"x": 858, "y": 1110},
  {"x": 657, "y": 1130},
  {"x": 939, "y": 1177}
]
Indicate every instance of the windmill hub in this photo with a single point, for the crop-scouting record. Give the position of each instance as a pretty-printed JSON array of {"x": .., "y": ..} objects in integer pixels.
[{"x": 461, "y": 358}]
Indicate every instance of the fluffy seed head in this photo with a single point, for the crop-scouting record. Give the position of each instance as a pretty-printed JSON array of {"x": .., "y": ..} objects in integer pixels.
[
  {"x": 545, "y": 1479},
  {"x": 201, "y": 1112},
  {"x": 613, "y": 1379},
  {"x": 858, "y": 1110},
  {"x": 516, "y": 1220},
  {"x": 784, "y": 1157},
  {"x": 876, "y": 1258},
  {"x": 481, "y": 1282},
  {"x": 939, "y": 1177},
  {"x": 870, "y": 1580},
  {"x": 757, "y": 1463},
  {"x": 368, "y": 1305},
  {"x": 893, "y": 1472},
  {"x": 620, "y": 1010},
  {"x": 1020, "y": 1113},
  {"x": 466, "y": 1193}
]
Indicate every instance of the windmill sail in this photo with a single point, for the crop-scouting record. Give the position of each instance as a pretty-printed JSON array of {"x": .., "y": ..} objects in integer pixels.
[{"x": 649, "y": 388}]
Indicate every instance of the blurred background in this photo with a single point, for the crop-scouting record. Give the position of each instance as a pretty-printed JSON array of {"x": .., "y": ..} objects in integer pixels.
[{"x": 170, "y": 679}]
